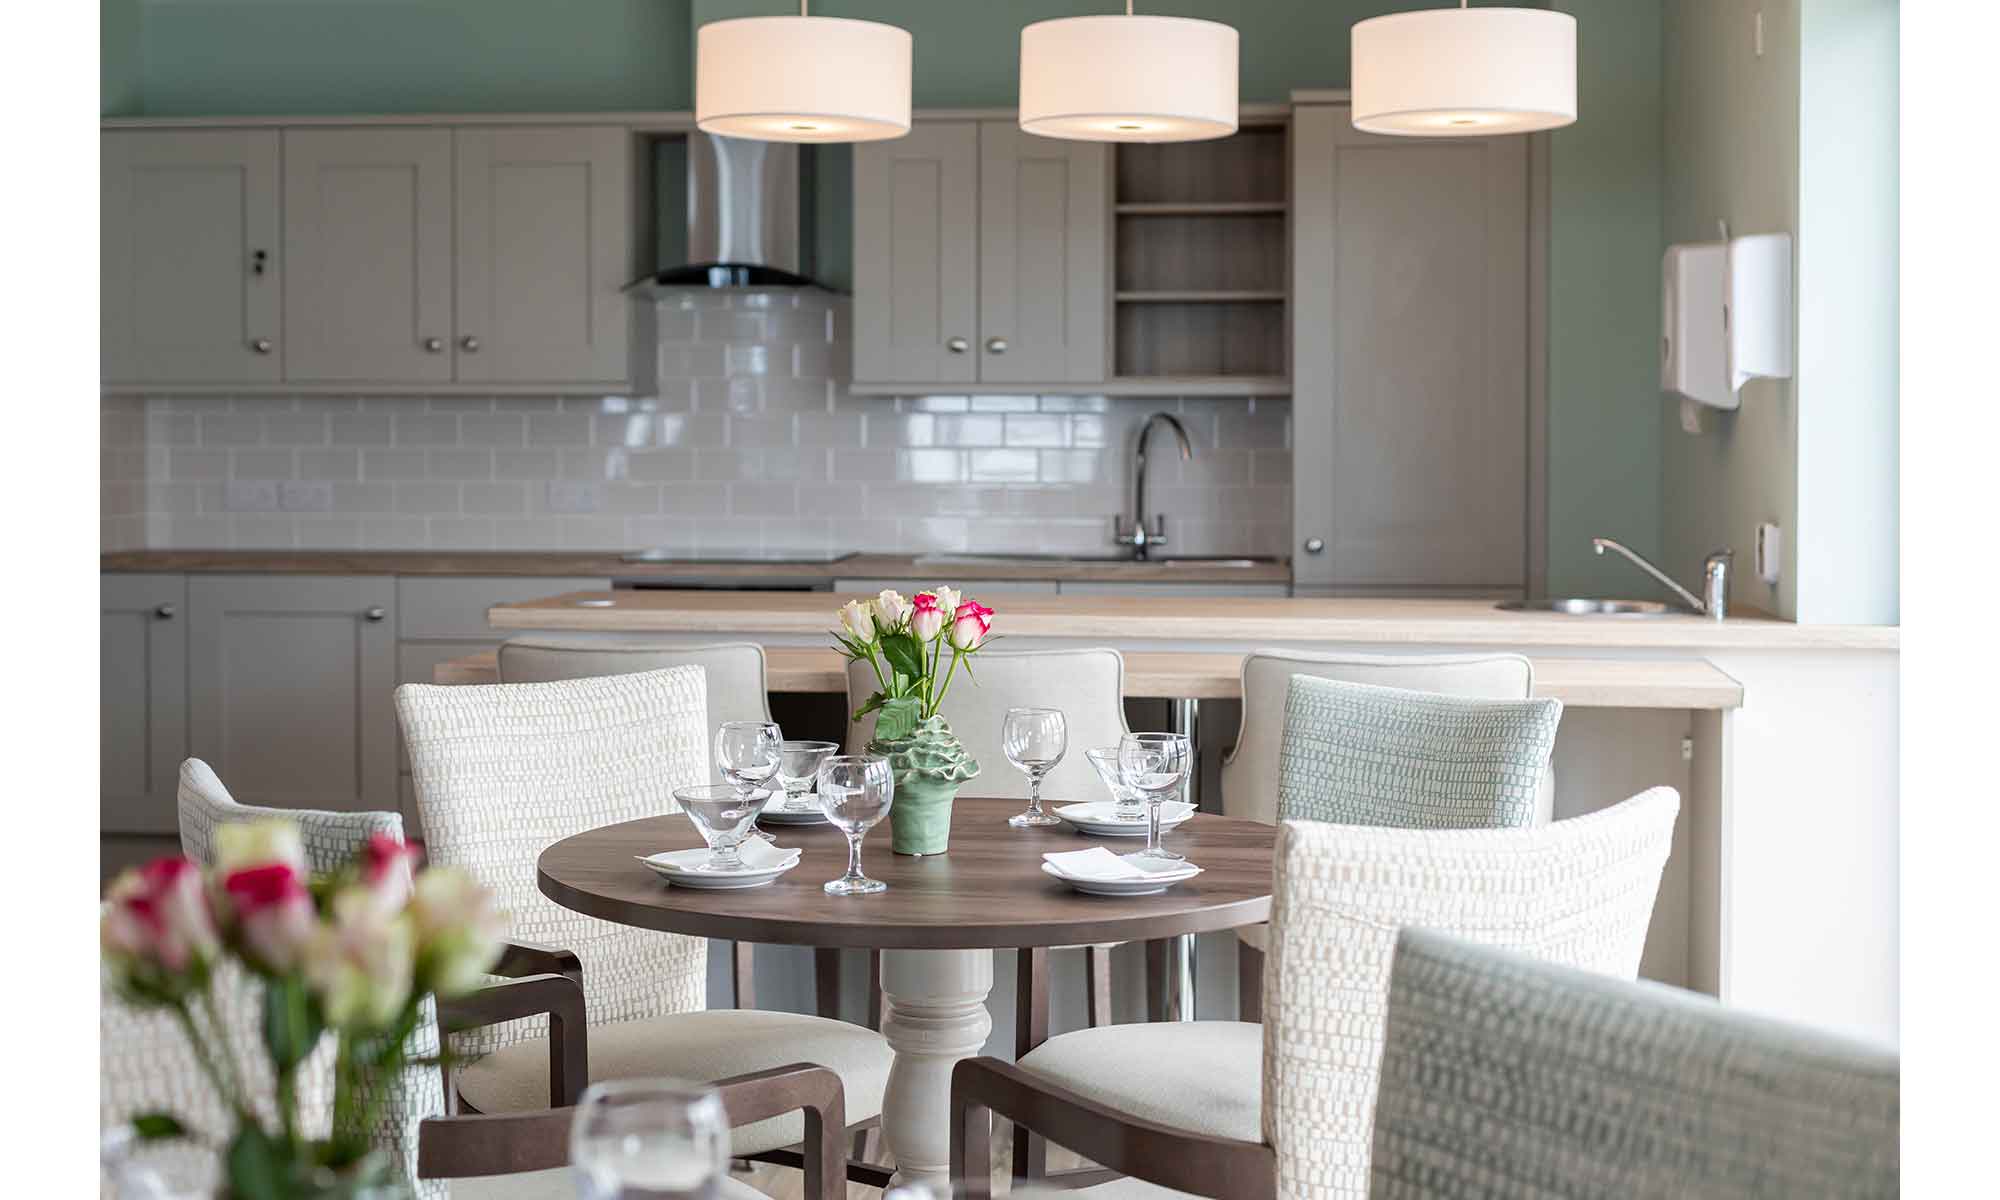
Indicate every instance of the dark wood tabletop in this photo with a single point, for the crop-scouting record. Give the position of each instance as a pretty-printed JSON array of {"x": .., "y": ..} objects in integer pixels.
[{"x": 987, "y": 891}]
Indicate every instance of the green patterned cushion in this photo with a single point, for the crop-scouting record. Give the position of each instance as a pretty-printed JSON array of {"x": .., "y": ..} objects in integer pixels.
[{"x": 1356, "y": 754}]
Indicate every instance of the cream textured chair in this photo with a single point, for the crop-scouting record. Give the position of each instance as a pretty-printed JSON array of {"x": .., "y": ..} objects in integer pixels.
[
  {"x": 504, "y": 770},
  {"x": 1505, "y": 1077},
  {"x": 1251, "y": 770},
  {"x": 1229, "y": 1109}
]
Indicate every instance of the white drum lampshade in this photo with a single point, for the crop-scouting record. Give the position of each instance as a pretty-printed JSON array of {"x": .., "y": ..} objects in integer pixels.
[
  {"x": 802, "y": 79},
  {"x": 1450, "y": 72},
  {"x": 1128, "y": 79}
]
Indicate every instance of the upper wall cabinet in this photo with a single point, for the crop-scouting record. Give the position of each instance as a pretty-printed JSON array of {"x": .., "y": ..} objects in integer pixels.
[
  {"x": 479, "y": 258},
  {"x": 189, "y": 257},
  {"x": 981, "y": 255}
]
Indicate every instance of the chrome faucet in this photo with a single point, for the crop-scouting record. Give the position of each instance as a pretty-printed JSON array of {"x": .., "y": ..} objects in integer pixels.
[
  {"x": 1714, "y": 577},
  {"x": 1138, "y": 537}
]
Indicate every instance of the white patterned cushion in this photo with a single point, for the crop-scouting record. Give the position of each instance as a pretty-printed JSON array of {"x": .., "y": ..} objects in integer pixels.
[
  {"x": 1578, "y": 892},
  {"x": 1198, "y": 1075},
  {"x": 1358, "y": 754}
]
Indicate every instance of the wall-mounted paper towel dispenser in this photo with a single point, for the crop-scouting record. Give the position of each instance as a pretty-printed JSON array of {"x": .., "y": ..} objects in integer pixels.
[{"x": 1725, "y": 316}]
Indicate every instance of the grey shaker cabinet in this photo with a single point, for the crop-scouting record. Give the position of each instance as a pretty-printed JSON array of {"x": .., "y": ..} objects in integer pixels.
[
  {"x": 142, "y": 727},
  {"x": 291, "y": 685},
  {"x": 916, "y": 255}
]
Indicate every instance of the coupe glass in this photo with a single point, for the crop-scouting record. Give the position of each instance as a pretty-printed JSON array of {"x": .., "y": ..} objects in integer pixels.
[
  {"x": 798, "y": 767},
  {"x": 1129, "y": 804},
  {"x": 747, "y": 754},
  {"x": 1034, "y": 740},
  {"x": 1154, "y": 765},
  {"x": 724, "y": 817},
  {"x": 855, "y": 791},
  {"x": 656, "y": 1139}
]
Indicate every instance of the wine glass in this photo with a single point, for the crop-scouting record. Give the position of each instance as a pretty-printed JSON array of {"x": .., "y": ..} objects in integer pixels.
[
  {"x": 1128, "y": 804},
  {"x": 724, "y": 816},
  {"x": 649, "y": 1138},
  {"x": 747, "y": 754},
  {"x": 798, "y": 767},
  {"x": 1155, "y": 765},
  {"x": 856, "y": 791},
  {"x": 1034, "y": 740}
]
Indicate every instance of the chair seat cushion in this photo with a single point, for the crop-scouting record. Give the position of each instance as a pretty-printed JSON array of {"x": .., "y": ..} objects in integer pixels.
[
  {"x": 701, "y": 1046},
  {"x": 559, "y": 1183},
  {"x": 1204, "y": 1076}
]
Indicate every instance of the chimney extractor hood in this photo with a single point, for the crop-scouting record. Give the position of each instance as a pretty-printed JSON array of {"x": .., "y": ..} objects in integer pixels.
[{"x": 742, "y": 217}]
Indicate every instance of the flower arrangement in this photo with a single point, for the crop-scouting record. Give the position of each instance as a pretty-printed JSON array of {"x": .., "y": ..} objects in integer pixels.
[
  {"x": 354, "y": 954},
  {"x": 906, "y": 642}
]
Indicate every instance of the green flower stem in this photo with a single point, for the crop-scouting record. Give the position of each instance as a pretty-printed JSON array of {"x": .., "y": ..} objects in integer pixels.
[
  {"x": 949, "y": 671},
  {"x": 206, "y": 1061},
  {"x": 228, "y": 1053},
  {"x": 933, "y": 698}
]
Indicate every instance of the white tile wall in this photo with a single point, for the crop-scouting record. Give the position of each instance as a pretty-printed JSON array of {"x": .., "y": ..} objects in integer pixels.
[{"x": 751, "y": 441}]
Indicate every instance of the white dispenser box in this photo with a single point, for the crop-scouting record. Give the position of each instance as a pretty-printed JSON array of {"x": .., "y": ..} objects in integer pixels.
[{"x": 1726, "y": 316}]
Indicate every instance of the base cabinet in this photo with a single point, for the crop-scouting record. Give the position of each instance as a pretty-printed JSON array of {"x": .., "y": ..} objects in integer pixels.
[{"x": 142, "y": 722}]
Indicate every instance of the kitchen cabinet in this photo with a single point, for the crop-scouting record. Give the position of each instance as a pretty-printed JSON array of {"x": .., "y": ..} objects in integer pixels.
[
  {"x": 142, "y": 733},
  {"x": 189, "y": 263},
  {"x": 981, "y": 255},
  {"x": 291, "y": 687},
  {"x": 1409, "y": 358}
]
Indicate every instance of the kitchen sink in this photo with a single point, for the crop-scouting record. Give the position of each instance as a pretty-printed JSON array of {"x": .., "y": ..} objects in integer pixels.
[
  {"x": 1030, "y": 560},
  {"x": 1577, "y": 606}
]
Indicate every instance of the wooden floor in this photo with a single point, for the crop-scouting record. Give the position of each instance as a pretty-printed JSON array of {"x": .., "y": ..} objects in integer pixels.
[{"x": 784, "y": 1183}]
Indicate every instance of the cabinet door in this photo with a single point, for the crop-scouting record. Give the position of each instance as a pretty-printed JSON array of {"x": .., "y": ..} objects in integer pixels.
[
  {"x": 291, "y": 682},
  {"x": 142, "y": 684},
  {"x": 368, "y": 246},
  {"x": 916, "y": 230},
  {"x": 543, "y": 249},
  {"x": 1044, "y": 259},
  {"x": 188, "y": 257},
  {"x": 1409, "y": 372}
]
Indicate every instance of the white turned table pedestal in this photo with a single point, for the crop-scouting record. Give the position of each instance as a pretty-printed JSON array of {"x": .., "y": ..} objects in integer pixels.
[{"x": 933, "y": 1014}]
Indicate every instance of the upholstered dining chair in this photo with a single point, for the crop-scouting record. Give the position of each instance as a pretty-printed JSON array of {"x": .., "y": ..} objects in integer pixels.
[
  {"x": 1502, "y": 1075},
  {"x": 1234, "y": 1109},
  {"x": 502, "y": 771},
  {"x": 1252, "y": 770}
]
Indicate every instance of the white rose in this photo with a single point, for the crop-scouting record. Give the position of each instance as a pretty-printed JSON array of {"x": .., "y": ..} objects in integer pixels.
[
  {"x": 856, "y": 619},
  {"x": 890, "y": 609},
  {"x": 240, "y": 844}
]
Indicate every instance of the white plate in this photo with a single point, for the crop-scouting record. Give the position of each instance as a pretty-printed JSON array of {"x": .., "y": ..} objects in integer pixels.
[
  {"x": 678, "y": 867},
  {"x": 775, "y": 814},
  {"x": 1124, "y": 887},
  {"x": 1095, "y": 818}
]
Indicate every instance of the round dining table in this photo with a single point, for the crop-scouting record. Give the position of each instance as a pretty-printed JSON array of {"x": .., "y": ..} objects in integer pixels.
[{"x": 937, "y": 924}]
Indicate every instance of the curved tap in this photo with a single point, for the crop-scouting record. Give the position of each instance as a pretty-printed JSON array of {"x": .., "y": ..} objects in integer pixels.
[
  {"x": 1140, "y": 538},
  {"x": 1716, "y": 575}
]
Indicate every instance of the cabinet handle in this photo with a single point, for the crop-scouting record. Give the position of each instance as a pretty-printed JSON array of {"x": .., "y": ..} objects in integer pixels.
[
  {"x": 164, "y": 612},
  {"x": 1315, "y": 545},
  {"x": 376, "y": 614},
  {"x": 996, "y": 345},
  {"x": 434, "y": 345},
  {"x": 258, "y": 260},
  {"x": 957, "y": 345},
  {"x": 469, "y": 344},
  {"x": 261, "y": 345}
]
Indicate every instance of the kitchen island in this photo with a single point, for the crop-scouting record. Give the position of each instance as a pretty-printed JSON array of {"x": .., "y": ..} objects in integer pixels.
[{"x": 1782, "y": 892}]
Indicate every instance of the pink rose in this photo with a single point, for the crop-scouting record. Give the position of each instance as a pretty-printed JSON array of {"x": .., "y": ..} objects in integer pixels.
[
  {"x": 386, "y": 867},
  {"x": 360, "y": 963},
  {"x": 970, "y": 625},
  {"x": 927, "y": 616},
  {"x": 274, "y": 914},
  {"x": 156, "y": 927}
]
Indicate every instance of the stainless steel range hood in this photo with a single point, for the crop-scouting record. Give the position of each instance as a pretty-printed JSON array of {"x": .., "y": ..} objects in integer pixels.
[{"x": 743, "y": 217}]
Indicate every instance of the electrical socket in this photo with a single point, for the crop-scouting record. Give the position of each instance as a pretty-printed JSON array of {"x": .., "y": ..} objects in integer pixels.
[
  {"x": 576, "y": 497},
  {"x": 302, "y": 495},
  {"x": 1770, "y": 551},
  {"x": 250, "y": 495}
]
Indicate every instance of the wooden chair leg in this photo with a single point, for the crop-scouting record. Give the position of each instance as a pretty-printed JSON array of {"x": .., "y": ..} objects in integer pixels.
[
  {"x": 743, "y": 970},
  {"x": 875, "y": 990},
  {"x": 1249, "y": 982},
  {"x": 1097, "y": 977},
  {"x": 1156, "y": 980},
  {"x": 826, "y": 982},
  {"x": 1031, "y": 1029}
]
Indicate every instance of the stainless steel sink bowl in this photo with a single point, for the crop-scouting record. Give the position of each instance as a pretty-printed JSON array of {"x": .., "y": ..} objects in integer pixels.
[
  {"x": 1031, "y": 560},
  {"x": 1578, "y": 606}
]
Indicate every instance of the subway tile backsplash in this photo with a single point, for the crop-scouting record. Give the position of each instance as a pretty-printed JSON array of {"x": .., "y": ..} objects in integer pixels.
[{"x": 751, "y": 442}]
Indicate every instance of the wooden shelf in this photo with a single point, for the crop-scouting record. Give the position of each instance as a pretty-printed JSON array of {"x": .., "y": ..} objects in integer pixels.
[
  {"x": 1201, "y": 208},
  {"x": 1200, "y": 297},
  {"x": 1198, "y": 385}
]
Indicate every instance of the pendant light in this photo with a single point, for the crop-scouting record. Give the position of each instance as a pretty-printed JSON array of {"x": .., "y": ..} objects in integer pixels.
[
  {"x": 1129, "y": 78},
  {"x": 802, "y": 79},
  {"x": 1450, "y": 72}
]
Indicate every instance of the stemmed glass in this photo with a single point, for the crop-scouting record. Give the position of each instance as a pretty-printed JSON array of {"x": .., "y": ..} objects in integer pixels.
[
  {"x": 1128, "y": 805},
  {"x": 798, "y": 766},
  {"x": 635, "y": 1138},
  {"x": 1154, "y": 764},
  {"x": 855, "y": 791},
  {"x": 1034, "y": 740},
  {"x": 747, "y": 754},
  {"x": 724, "y": 816}
]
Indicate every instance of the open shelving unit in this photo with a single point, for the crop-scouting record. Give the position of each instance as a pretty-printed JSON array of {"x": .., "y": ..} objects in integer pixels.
[{"x": 1201, "y": 264}]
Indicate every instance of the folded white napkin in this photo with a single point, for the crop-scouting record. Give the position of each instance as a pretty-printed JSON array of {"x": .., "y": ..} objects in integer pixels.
[
  {"x": 756, "y": 853},
  {"x": 1099, "y": 863}
]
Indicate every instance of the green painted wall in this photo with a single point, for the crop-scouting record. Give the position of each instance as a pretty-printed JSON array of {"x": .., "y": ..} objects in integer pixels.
[{"x": 118, "y": 28}]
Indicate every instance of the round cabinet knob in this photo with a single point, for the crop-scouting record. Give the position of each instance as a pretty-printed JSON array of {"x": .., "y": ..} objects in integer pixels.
[
  {"x": 434, "y": 345},
  {"x": 164, "y": 612},
  {"x": 376, "y": 614},
  {"x": 261, "y": 345},
  {"x": 1315, "y": 545},
  {"x": 469, "y": 344},
  {"x": 996, "y": 345},
  {"x": 957, "y": 345}
]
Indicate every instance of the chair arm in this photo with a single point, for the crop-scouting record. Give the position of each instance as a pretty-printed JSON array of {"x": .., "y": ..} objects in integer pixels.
[
  {"x": 817, "y": 1090},
  {"x": 558, "y": 997},
  {"x": 531, "y": 958},
  {"x": 1160, "y": 1154},
  {"x": 473, "y": 1144}
]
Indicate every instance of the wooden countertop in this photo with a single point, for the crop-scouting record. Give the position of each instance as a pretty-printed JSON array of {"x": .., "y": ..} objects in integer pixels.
[
  {"x": 1578, "y": 682},
  {"x": 1122, "y": 620},
  {"x": 608, "y": 564}
]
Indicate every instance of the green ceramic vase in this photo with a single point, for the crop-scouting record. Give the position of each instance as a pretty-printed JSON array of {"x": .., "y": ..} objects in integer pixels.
[{"x": 929, "y": 765}]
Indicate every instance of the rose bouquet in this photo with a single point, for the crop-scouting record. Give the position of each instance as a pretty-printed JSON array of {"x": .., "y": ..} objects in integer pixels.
[{"x": 353, "y": 955}]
